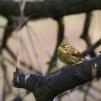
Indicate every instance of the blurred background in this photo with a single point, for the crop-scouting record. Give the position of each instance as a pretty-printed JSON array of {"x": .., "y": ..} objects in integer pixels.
[{"x": 35, "y": 44}]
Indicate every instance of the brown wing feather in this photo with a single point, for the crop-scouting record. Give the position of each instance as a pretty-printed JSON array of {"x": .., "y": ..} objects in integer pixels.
[{"x": 76, "y": 52}]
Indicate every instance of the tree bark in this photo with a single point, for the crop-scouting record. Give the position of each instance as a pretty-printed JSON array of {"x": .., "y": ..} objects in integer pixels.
[
  {"x": 45, "y": 88},
  {"x": 49, "y": 8}
]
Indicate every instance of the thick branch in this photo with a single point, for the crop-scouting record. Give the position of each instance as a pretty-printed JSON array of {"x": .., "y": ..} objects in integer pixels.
[
  {"x": 49, "y": 8},
  {"x": 47, "y": 87}
]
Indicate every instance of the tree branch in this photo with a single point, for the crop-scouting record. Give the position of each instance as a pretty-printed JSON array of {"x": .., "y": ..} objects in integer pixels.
[
  {"x": 49, "y": 8},
  {"x": 60, "y": 37},
  {"x": 91, "y": 48},
  {"x": 7, "y": 33},
  {"x": 58, "y": 82}
]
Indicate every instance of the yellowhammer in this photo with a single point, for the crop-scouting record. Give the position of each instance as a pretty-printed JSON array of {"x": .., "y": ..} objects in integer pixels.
[{"x": 68, "y": 54}]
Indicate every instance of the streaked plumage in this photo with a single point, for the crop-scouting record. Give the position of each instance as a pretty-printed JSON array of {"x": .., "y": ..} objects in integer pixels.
[{"x": 68, "y": 54}]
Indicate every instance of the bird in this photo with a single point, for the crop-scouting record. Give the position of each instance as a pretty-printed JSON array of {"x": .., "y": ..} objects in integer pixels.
[{"x": 68, "y": 54}]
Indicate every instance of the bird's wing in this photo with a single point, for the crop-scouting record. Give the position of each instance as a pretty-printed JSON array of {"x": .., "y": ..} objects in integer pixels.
[{"x": 76, "y": 52}]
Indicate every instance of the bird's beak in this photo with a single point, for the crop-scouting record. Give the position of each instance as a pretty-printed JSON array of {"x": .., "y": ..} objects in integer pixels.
[{"x": 60, "y": 49}]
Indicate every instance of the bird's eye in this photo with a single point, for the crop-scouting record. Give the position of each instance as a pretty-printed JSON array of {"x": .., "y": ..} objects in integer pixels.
[{"x": 65, "y": 47}]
